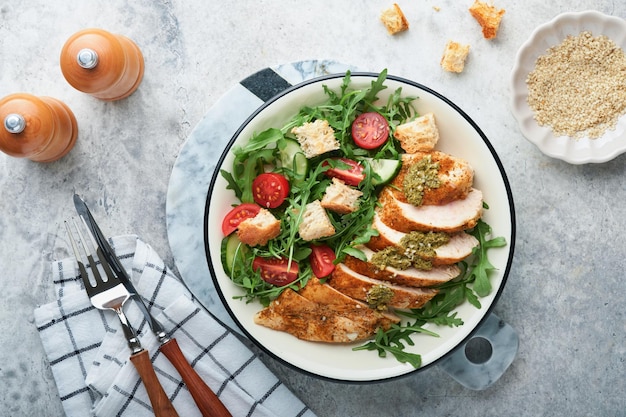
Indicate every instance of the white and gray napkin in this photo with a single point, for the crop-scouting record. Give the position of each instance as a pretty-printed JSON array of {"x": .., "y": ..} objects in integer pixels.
[{"x": 89, "y": 356}]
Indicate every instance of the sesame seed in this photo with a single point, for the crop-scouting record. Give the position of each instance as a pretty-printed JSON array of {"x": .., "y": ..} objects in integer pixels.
[{"x": 578, "y": 88}]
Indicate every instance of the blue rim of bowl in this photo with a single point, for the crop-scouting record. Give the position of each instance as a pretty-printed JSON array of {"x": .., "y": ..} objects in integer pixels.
[{"x": 373, "y": 75}]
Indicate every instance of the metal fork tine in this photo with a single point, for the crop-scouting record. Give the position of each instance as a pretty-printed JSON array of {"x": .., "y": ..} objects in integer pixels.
[
  {"x": 90, "y": 258},
  {"x": 81, "y": 266},
  {"x": 105, "y": 265}
]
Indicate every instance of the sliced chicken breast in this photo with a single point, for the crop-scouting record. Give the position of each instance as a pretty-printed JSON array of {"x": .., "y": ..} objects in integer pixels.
[
  {"x": 456, "y": 177},
  {"x": 411, "y": 277},
  {"x": 358, "y": 286},
  {"x": 337, "y": 322},
  {"x": 458, "y": 248},
  {"x": 453, "y": 217},
  {"x": 317, "y": 292}
]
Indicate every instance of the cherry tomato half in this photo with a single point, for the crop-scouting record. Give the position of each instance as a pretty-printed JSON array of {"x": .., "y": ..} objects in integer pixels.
[
  {"x": 237, "y": 215},
  {"x": 370, "y": 130},
  {"x": 321, "y": 258},
  {"x": 270, "y": 189},
  {"x": 276, "y": 271},
  {"x": 351, "y": 176}
]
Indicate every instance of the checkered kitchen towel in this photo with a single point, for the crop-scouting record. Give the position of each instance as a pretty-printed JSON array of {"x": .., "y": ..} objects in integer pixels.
[{"x": 89, "y": 356}]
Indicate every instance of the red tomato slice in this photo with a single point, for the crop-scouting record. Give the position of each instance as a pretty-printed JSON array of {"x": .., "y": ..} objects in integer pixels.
[
  {"x": 370, "y": 130},
  {"x": 237, "y": 215},
  {"x": 276, "y": 271},
  {"x": 270, "y": 189},
  {"x": 352, "y": 176},
  {"x": 321, "y": 258}
]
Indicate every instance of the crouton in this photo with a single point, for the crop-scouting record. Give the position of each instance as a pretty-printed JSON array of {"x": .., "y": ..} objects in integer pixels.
[
  {"x": 341, "y": 198},
  {"x": 316, "y": 138},
  {"x": 454, "y": 56},
  {"x": 259, "y": 229},
  {"x": 315, "y": 222},
  {"x": 394, "y": 20},
  {"x": 419, "y": 135},
  {"x": 488, "y": 17}
]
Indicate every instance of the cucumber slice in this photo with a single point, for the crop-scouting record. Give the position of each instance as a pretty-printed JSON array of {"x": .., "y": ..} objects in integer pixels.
[
  {"x": 290, "y": 156},
  {"x": 385, "y": 170},
  {"x": 232, "y": 249}
]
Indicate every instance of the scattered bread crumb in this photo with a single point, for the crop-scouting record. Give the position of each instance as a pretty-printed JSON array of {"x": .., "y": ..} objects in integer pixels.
[
  {"x": 394, "y": 20},
  {"x": 454, "y": 55},
  {"x": 488, "y": 16},
  {"x": 436, "y": 8}
]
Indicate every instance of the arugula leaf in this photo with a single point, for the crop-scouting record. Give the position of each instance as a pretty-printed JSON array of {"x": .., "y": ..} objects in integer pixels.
[
  {"x": 376, "y": 87},
  {"x": 260, "y": 141},
  {"x": 393, "y": 341},
  {"x": 232, "y": 184},
  {"x": 480, "y": 272}
]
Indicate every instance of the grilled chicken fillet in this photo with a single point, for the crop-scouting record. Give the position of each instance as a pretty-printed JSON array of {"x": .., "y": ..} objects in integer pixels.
[
  {"x": 456, "y": 177},
  {"x": 458, "y": 248},
  {"x": 411, "y": 277},
  {"x": 459, "y": 215},
  {"x": 358, "y": 286},
  {"x": 321, "y": 314}
]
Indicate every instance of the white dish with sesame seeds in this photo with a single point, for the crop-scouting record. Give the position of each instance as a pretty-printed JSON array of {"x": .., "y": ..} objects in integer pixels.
[{"x": 575, "y": 150}]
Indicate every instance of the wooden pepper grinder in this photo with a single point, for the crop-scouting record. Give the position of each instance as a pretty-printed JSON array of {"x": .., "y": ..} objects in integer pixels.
[
  {"x": 106, "y": 66},
  {"x": 42, "y": 129}
]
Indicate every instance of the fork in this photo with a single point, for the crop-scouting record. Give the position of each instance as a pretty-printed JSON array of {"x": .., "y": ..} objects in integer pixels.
[
  {"x": 208, "y": 403},
  {"x": 111, "y": 295}
]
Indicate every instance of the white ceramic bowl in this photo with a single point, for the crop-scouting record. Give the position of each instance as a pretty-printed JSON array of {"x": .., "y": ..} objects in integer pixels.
[
  {"x": 460, "y": 137},
  {"x": 552, "y": 33}
]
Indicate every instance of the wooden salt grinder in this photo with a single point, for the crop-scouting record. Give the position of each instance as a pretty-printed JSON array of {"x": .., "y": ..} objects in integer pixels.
[
  {"x": 42, "y": 129},
  {"x": 106, "y": 66}
]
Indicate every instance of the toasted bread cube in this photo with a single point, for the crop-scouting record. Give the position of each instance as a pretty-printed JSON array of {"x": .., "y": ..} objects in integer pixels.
[
  {"x": 315, "y": 222},
  {"x": 394, "y": 20},
  {"x": 488, "y": 16},
  {"x": 454, "y": 55},
  {"x": 419, "y": 135},
  {"x": 259, "y": 229},
  {"x": 316, "y": 138},
  {"x": 341, "y": 198}
]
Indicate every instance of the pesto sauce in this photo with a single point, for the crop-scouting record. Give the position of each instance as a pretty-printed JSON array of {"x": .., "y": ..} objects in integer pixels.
[
  {"x": 423, "y": 264},
  {"x": 379, "y": 296},
  {"x": 391, "y": 256},
  {"x": 423, "y": 244},
  {"x": 421, "y": 175},
  {"x": 417, "y": 248}
]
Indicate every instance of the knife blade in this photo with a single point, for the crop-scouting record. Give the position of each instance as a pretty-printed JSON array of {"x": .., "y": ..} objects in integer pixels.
[{"x": 209, "y": 404}]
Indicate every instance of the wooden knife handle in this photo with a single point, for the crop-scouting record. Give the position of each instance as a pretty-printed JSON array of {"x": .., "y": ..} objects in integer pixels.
[
  {"x": 161, "y": 404},
  {"x": 206, "y": 400}
]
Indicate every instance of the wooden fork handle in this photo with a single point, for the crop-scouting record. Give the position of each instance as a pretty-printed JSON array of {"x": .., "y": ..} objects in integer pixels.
[
  {"x": 206, "y": 400},
  {"x": 161, "y": 404}
]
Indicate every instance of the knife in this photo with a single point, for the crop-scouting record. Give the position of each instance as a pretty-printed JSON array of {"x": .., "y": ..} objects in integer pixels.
[{"x": 206, "y": 400}]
